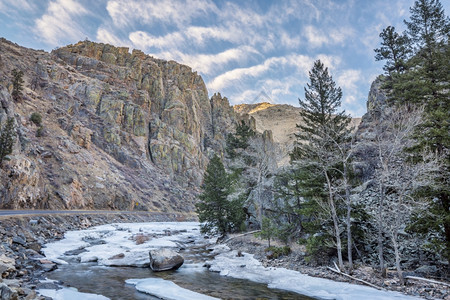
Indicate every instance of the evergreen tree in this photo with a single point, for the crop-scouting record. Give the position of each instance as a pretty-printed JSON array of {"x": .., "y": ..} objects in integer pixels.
[
  {"x": 394, "y": 49},
  {"x": 17, "y": 84},
  {"x": 268, "y": 229},
  {"x": 7, "y": 139},
  {"x": 323, "y": 128},
  {"x": 215, "y": 211},
  {"x": 426, "y": 82},
  {"x": 239, "y": 140},
  {"x": 429, "y": 28}
]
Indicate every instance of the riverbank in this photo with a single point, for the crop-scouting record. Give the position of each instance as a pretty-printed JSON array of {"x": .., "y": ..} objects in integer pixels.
[
  {"x": 296, "y": 261},
  {"x": 22, "y": 263}
]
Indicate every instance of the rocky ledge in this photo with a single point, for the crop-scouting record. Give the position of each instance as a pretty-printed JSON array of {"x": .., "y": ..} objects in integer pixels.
[{"x": 23, "y": 265}]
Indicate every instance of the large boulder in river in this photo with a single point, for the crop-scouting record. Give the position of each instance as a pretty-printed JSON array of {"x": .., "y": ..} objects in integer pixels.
[{"x": 165, "y": 259}]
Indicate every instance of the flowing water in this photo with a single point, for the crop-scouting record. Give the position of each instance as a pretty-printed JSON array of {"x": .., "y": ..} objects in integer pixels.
[{"x": 110, "y": 281}]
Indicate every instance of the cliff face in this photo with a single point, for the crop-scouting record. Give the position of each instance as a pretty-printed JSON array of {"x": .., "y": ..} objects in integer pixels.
[
  {"x": 120, "y": 130},
  {"x": 281, "y": 120}
]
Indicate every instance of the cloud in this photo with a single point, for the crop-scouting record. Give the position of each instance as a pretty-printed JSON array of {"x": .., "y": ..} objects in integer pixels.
[
  {"x": 289, "y": 41},
  {"x": 142, "y": 40},
  {"x": 58, "y": 22},
  {"x": 209, "y": 63},
  {"x": 318, "y": 38},
  {"x": 107, "y": 37},
  {"x": 16, "y": 5},
  {"x": 348, "y": 78},
  {"x": 301, "y": 63},
  {"x": 203, "y": 34},
  {"x": 178, "y": 12},
  {"x": 227, "y": 78},
  {"x": 314, "y": 36}
]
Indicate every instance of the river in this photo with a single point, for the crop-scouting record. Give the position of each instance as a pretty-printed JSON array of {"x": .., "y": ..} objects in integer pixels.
[{"x": 101, "y": 259}]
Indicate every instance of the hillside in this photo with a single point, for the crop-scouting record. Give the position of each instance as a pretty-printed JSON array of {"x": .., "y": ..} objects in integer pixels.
[
  {"x": 281, "y": 119},
  {"x": 119, "y": 130}
]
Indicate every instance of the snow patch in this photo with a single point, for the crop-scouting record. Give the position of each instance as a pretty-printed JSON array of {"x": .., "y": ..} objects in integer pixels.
[
  {"x": 70, "y": 294},
  {"x": 165, "y": 289}
]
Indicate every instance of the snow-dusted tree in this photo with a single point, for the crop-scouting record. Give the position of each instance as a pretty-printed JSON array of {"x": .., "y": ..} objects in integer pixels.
[{"x": 398, "y": 176}]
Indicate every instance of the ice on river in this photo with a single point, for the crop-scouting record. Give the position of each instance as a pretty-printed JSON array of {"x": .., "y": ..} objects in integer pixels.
[
  {"x": 166, "y": 289},
  {"x": 115, "y": 245},
  {"x": 70, "y": 294}
]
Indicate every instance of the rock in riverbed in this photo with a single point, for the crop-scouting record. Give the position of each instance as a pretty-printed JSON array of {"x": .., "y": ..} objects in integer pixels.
[{"x": 165, "y": 259}]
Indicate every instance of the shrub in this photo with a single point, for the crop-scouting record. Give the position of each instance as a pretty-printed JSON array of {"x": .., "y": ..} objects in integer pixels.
[
  {"x": 7, "y": 135},
  {"x": 40, "y": 131},
  {"x": 276, "y": 252},
  {"x": 36, "y": 118}
]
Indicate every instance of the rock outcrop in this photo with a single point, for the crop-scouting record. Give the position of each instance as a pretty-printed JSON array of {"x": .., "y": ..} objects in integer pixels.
[{"x": 119, "y": 130}]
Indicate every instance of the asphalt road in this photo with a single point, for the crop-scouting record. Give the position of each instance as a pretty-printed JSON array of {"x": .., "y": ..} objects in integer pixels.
[{"x": 7, "y": 212}]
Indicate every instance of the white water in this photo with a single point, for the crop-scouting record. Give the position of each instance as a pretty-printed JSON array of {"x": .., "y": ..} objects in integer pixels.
[{"x": 116, "y": 239}]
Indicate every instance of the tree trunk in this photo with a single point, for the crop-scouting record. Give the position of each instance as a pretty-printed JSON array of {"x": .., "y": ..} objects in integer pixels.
[
  {"x": 348, "y": 220},
  {"x": 394, "y": 236},
  {"x": 260, "y": 204},
  {"x": 380, "y": 231},
  {"x": 335, "y": 223}
]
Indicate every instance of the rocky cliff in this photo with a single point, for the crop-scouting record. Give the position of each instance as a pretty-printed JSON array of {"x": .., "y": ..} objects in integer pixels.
[
  {"x": 281, "y": 120},
  {"x": 119, "y": 130}
]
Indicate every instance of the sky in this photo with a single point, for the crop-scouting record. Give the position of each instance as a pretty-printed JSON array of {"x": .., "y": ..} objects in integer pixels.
[{"x": 249, "y": 51}]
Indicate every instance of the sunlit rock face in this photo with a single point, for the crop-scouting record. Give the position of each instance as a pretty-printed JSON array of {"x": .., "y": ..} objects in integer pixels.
[{"x": 120, "y": 130}]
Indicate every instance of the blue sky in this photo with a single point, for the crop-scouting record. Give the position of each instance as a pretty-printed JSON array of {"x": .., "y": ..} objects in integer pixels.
[{"x": 241, "y": 48}]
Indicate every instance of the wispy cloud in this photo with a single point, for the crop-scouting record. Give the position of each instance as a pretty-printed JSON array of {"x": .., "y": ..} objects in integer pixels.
[
  {"x": 348, "y": 78},
  {"x": 210, "y": 63},
  {"x": 301, "y": 64},
  {"x": 8, "y": 6},
  {"x": 237, "y": 74},
  {"x": 106, "y": 36},
  {"x": 58, "y": 22},
  {"x": 145, "y": 41},
  {"x": 179, "y": 12}
]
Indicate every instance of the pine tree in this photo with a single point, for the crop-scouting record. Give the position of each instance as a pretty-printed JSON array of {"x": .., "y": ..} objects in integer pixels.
[
  {"x": 429, "y": 28},
  {"x": 7, "y": 139},
  {"x": 322, "y": 130},
  {"x": 215, "y": 211},
  {"x": 394, "y": 49},
  {"x": 239, "y": 140}
]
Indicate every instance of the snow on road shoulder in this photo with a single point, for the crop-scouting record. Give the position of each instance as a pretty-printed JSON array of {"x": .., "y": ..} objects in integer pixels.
[
  {"x": 247, "y": 267},
  {"x": 166, "y": 289}
]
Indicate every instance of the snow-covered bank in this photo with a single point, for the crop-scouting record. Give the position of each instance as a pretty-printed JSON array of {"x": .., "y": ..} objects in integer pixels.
[{"x": 228, "y": 263}]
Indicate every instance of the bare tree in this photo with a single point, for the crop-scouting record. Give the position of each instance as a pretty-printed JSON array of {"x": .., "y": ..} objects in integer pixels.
[
  {"x": 397, "y": 176},
  {"x": 263, "y": 154}
]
